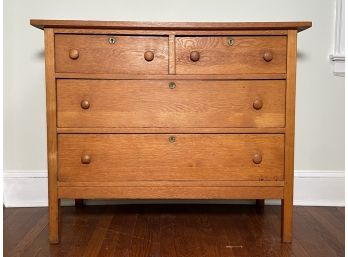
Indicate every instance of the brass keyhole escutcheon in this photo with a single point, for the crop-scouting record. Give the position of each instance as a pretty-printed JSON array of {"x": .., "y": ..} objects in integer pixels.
[
  {"x": 171, "y": 139},
  {"x": 112, "y": 40},
  {"x": 230, "y": 41},
  {"x": 171, "y": 85}
]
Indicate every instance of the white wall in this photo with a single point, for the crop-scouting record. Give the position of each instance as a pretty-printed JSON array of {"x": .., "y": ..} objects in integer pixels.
[{"x": 320, "y": 95}]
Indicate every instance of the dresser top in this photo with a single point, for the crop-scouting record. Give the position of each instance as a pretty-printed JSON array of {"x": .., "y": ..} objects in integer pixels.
[{"x": 298, "y": 25}]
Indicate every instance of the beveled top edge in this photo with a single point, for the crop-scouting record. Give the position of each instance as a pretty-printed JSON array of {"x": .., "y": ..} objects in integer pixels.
[{"x": 298, "y": 25}]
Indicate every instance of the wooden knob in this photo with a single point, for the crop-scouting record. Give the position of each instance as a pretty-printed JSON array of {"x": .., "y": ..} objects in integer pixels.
[
  {"x": 194, "y": 56},
  {"x": 257, "y": 104},
  {"x": 268, "y": 56},
  {"x": 74, "y": 54},
  {"x": 86, "y": 159},
  {"x": 85, "y": 104},
  {"x": 257, "y": 159},
  {"x": 149, "y": 55}
]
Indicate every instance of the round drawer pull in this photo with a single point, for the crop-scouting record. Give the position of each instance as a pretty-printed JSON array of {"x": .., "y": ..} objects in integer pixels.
[
  {"x": 74, "y": 54},
  {"x": 194, "y": 56},
  {"x": 268, "y": 56},
  {"x": 257, "y": 158},
  {"x": 172, "y": 139},
  {"x": 85, "y": 104},
  {"x": 257, "y": 104},
  {"x": 112, "y": 40},
  {"x": 86, "y": 159},
  {"x": 149, "y": 55},
  {"x": 171, "y": 85}
]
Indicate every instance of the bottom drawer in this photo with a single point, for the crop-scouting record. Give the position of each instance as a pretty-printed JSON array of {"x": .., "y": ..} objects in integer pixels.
[{"x": 190, "y": 157}]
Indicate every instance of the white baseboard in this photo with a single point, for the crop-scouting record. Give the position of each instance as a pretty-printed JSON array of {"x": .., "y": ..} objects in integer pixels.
[{"x": 312, "y": 188}]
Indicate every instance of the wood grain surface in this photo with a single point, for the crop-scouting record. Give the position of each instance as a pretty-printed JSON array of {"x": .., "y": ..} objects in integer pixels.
[
  {"x": 287, "y": 202},
  {"x": 125, "y": 56},
  {"x": 152, "y": 157},
  {"x": 175, "y": 230},
  {"x": 164, "y": 192},
  {"x": 153, "y": 104},
  {"x": 52, "y": 151},
  {"x": 245, "y": 55},
  {"x": 250, "y": 76},
  {"x": 165, "y": 110},
  {"x": 40, "y": 23},
  {"x": 170, "y": 130}
]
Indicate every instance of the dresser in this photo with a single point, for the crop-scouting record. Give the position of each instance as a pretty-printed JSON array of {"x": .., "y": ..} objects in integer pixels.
[{"x": 167, "y": 110}]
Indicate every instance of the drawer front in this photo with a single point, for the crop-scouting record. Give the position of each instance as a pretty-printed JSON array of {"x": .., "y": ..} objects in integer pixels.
[
  {"x": 230, "y": 55},
  {"x": 141, "y": 103},
  {"x": 122, "y": 157},
  {"x": 111, "y": 54}
]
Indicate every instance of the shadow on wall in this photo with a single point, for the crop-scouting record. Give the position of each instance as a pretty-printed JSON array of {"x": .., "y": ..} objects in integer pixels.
[
  {"x": 40, "y": 55},
  {"x": 302, "y": 56}
]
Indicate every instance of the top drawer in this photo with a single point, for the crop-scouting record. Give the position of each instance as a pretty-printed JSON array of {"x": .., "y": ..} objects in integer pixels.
[
  {"x": 230, "y": 55},
  {"x": 111, "y": 54}
]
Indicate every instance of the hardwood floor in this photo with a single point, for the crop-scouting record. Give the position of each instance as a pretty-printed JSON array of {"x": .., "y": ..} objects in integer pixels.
[{"x": 174, "y": 231}]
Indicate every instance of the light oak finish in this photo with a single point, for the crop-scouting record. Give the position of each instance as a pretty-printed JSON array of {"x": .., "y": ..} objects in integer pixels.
[
  {"x": 183, "y": 183},
  {"x": 169, "y": 76},
  {"x": 170, "y": 130},
  {"x": 215, "y": 55},
  {"x": 179, "y": 192},
  {"x": 72, "y": 24},
  {"x": 171, "y": 49},
  {"x": 196, "y": 104},
  {"x": 166, "y": 110},
  {"x": 95, "y": 54},
  {"x": 254, "y": 32},
  {"x": 108, "y": 157},
  {"x": 52, "y": 151},
  {"x": 287, "y": 201}
]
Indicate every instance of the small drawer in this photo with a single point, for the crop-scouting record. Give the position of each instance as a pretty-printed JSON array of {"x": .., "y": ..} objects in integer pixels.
[
  {"x": 230, "y": 54},
  {"x": 129, "y": 157},
  {"x": 111, "y": 54},
  {"x": 174, "y": 104}
]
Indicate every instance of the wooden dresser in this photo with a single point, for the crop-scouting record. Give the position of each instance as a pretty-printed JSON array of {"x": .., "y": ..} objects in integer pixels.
[{"x": 147, "y": 110}]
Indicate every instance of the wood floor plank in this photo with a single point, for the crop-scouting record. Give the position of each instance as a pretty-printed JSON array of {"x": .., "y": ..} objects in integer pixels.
[
  {"x": 29, "y": 237},
  {"x": 331, "y": 229},
  {"x": 115, "y": 244},
  {"x": 341, "y": 210},
  {"x": 176, "y": 230},
  {"x": 18, "y": 225},
  {"x": 98, "y": 234},
  {"x": 147, "y": 224},
  {"x": 310, "y": 237},
  {"x": 167, "y": 234}
]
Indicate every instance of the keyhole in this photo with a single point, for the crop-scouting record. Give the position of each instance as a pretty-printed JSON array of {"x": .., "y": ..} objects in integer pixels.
[
  {"x": 230, "y": 41},
  {"x": 112, "y": 40}
]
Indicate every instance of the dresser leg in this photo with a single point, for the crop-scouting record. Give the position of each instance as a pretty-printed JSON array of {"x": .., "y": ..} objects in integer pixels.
[
  {"x": 287, "y": 209},
  {"x": 79, "y": 203},
  {"x": 260, "y": 203},
  {"x": 54, "y": 220}
]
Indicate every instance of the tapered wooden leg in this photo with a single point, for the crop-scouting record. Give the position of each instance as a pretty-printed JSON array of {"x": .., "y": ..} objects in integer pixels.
[
  {"x": 79, "y": 203},
  {"x": 260, "y": 203},
  {"x": 54, "y": 220},
  {"x": 287, "y": 210}
]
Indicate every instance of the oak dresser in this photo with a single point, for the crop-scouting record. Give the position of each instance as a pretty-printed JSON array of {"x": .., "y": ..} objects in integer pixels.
[{"x": 147, "y": 110}]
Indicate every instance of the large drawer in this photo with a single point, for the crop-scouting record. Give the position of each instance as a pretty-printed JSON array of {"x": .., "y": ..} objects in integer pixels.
[
  {"x": 122, "y": 157},
  {"x": 230, "y": 55},
  {"x": 111, "y": 54},
  {"x": 159, "y": 103}
]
